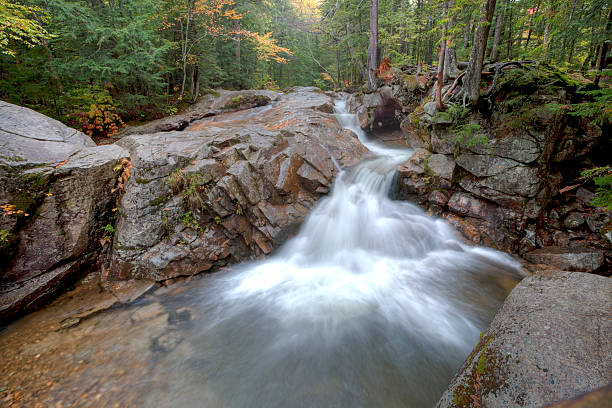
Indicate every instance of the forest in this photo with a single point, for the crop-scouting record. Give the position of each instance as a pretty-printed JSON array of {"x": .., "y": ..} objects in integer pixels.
[{"x": 130, "y": 60}]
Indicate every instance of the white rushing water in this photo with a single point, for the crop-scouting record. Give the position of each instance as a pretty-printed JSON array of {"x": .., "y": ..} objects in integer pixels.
[{"x": 373, "y": 304}]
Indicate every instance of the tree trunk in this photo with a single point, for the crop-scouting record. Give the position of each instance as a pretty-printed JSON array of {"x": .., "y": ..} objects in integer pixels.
[
  {"x": 533, "y": 15},
  {"x": 603, "y": 49},
  {"x": 450, "y": 58},
  {"x": 471, "y": 81},
  {"x": 509, "y": 36},
  {"x": 429, "y": 54},
  {"x": 373, "y": 46},
  {"x": 196, "y": 83},
  {"x": 238, "y": 28},
  {"x": 441, "y": 58},
  {"x": 467, "y": 32},
  {"x": 547, "y": 32},
  {"x": 499, "y": 24},
  {"x": 568, "y": 27},
  {"x": 184, "y": 46}
]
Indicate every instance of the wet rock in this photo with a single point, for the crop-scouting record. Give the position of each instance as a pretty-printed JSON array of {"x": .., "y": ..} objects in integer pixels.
[
  {"x": 147, "y": 312},
  {"x": 568, "y": 258},
  {"x": 438, "y": 197},
  {"x": 574, "y": 220},
  {"x": 442, "y": 166},
  {"x": 528, "y": 242},
  {"x": 597, "y": 221},
  {"x": 167, "y": 341},
  {"x": 601, "y": 397},
  {"x": 465, "y": 204},
  {"x": 416, "y": 164},
  {"x": 584, "y": 196},
  {"x": 606, "y": 232},
  {"x": 430, "y": 108},
  {"x": 529, "y": 354},
  {"x": 231, "y": 189},
  {"x": 67, "y": 187},
  {"x": 208, "y": 105},
  {"x": 130, "y": 290}
]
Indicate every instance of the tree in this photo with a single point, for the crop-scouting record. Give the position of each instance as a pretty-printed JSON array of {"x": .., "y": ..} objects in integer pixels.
[
  {"x": 441, "y": 60},
  {"x": 471, "y": 80},
  {"x": 373, "y": 44},
  {"x": 22, "y": 24},
  {"x": 499, "y": 24}
]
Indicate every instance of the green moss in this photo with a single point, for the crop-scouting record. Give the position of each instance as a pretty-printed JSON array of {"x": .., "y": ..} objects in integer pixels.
[
  {"x": 247, "y": 101},
  {"x": 142, "y": 181},
  {"x": 12, "y": 158},
  {"x": 160, "y": 200}
]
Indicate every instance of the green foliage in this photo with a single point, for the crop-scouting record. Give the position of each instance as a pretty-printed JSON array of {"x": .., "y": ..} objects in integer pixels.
[
  {"x": 21, "y": 24},
  {"x": 602, "y": 177},
  {"x": 190, "y": 221},
  {"x": 459, "y": 113},
  {"x": 470, "y": 135},
  {"x": 4, "y": 239},
  {"x": 109, "y": 231},
  {"x": 599, "y": 108},
  {"x": 191, "y": 186},
  {"x": 101, "y": 119}
]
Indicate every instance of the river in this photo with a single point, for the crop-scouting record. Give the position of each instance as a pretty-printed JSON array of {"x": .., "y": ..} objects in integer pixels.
[{"x": 372, "y": 304}]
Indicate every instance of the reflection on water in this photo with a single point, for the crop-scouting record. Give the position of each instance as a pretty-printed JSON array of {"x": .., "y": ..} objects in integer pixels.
[{"x": 372, "y": 304}]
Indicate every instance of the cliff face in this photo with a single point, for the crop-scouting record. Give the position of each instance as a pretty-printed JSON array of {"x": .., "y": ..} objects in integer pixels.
[{"x": 496, "y": 173}]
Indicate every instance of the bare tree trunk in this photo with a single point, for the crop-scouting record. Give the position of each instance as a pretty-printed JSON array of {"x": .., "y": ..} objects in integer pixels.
[
  {"x": 471, "y": 81},
  {"x": 373, "y": 46},
  {"x": 568, "y": 26},
  {"x": 603, "y": 49},
  {"x": 467, "y": 32},
  {"x": 533, "y": 15},
  {"x": 238, "y": 28},
  {"x": 184, "y": 46},
  {"x": 509, "y": 36},
  {"x": 428, "y": 55},
  {"x": 547, "y": 30},
  {"x": 499, "y": 24},
  {"x": 441, "y": 58},
  {"x": 450, "y": 58},
  {"x": 196, "y": 83}
]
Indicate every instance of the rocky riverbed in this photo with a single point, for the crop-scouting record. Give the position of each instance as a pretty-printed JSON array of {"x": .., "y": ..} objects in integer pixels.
[{"x": 230, "y": 180}]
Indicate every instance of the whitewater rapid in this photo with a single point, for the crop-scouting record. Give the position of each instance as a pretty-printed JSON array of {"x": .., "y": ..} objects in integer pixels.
[{"x": 372, "y": 304}]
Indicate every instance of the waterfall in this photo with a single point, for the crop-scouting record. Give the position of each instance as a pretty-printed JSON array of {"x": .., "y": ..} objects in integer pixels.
[{"x": 372, "y": 304}]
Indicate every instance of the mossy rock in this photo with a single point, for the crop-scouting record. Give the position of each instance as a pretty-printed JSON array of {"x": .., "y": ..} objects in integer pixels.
[{"x": 247, "y": 101}]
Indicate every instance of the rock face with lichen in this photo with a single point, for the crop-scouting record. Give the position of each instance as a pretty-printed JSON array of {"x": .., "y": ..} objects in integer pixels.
[
  {"x": 57, "y": 189},
  {"x": 497, "y": 174},
  {"x": 550, "y": 341},
  {"x": 228, "y": 188}
]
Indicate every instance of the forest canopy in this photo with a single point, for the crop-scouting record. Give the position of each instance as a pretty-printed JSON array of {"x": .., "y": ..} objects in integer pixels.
[{"x": 140, "y": 59}]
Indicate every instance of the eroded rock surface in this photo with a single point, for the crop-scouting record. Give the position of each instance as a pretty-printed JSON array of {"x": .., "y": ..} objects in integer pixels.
[
  {"x": 498, "y": 176},
  {"x": 550, "y": 341},
  {"x": 208, "y": 105},
  {"x": 56, "y": 187},
  {"x": 228, "y": 188}
]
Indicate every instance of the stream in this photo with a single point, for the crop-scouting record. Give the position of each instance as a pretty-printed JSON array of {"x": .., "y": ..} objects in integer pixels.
[{"x": 372, "y": 304}]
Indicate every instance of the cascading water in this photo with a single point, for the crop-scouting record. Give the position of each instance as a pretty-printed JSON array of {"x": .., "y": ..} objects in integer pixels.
[{"x": 372, "y": 304}]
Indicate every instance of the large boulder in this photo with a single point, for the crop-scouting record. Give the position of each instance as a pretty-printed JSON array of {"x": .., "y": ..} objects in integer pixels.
[
  {"x": 228, "y": 188},
  {"x": 568, "y": 258},
  {"x": 550, "y": 341},
  {"x": 57, "y": 190},
  {"x": 219, "y": 101}
]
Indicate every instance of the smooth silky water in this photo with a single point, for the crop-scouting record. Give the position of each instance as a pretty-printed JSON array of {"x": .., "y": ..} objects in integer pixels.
[{"x": 372, "y": 304}]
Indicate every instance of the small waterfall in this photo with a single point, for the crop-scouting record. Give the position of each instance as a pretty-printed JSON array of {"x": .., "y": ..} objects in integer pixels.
[{"x": 373, "y": 304}]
